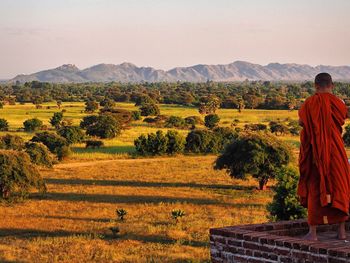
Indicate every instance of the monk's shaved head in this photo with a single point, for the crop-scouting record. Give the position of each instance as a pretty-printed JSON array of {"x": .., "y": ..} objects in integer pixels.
[{"x": 323, "y": 80}]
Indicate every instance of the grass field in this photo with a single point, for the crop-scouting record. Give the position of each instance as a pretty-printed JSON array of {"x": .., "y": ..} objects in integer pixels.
[
  {"x": 120, "y": 146},
  {"x": 70, "y": 223}
]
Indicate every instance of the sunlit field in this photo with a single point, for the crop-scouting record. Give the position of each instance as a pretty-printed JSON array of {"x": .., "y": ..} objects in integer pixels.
[
  {"x": 70, "y": 223},
  {"x": 122, "y": 145}
]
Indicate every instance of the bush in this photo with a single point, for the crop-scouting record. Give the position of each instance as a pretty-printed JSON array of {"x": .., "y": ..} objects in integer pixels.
[
  {"x": 91, "y": 106},
  {"x": 93, "y": 144},
  {"x": 255, "y": 127},
  {"x": 224, "y": 136},
  {"x": 175, "y": 122},
  {"x": 32, "y": 125},
  {"x": 136, "y": 115},
  {"x": 193, "y": 121},
  {"x": 285, "y": 204},
  {"x": 4, "y": 125},
  {"x": 149, "y": 109},
  {"x": 294, "y": 127},
  {"x": 39, "y": 154},
  {"x": 199, "y": 141},
  {"x": 176, "y": 142},
  {"x": 56, "y": 120},
  {"x": 346, "y": 136},
  {"x": 72, "y": 134},
  {"x": 18, "y": 175},
  {"x": 278, "y": 128},
  {"x": 149, "y": 120},
  {"x": 102, "y": 126},
  {"x": 12, "y": 142},
  {"x": 153, "y": 144},
  {"x": 55, "y": 143},
  {"x": 211, "y": 121},
  {"x": 258, "y": 154}
]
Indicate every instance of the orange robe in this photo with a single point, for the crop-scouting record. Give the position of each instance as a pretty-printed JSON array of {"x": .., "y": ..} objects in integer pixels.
[{"x": 324, "y": 185}]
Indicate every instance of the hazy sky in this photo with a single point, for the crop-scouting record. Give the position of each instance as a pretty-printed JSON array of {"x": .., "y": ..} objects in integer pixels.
[{"x": 42, "y": 34}]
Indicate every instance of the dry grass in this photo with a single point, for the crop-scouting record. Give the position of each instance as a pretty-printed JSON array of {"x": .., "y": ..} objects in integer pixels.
[{"x": 70, "y": 223}]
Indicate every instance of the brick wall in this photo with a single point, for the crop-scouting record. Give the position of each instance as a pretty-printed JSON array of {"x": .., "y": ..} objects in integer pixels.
[{"x": 275, "y": 242}]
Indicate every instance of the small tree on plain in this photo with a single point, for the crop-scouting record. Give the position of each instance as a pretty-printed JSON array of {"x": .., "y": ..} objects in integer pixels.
[
  {"x": 103, "y": 126},
  {"x": 72, "y": 134},
  {"x": 56, "y": 120},
  {"x": 149, "y": 109},
  {"x": 211, "y": 120},
  {"x": 18, "y": 175},
  {"x": 285, "y": 204},
  {"x": 91, "y": 106},
  {"x": 39, "y": 154},
  {"x": 12, "y": 142},
  {"x": 32, "y": 125},
  {"x": 4, "y": 125},
  {"x": 258, "y": 154},
  {"x": 55, "y": 143}
]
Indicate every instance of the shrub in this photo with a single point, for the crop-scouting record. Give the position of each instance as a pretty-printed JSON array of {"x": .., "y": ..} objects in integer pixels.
[
  {"x": 93, "y": 144},
  {"x": 224, "y": 135},
  {"x": 294, "y": 127},
  {"x": 285, "y": 204},
  {"x": 72, "y": 134},
  {"x": 18, "y": 175},
  {"x": 149, "y": 109},
  {"x": 258, "y": 154},
  {"x": 199, "y": 141},
  {"x": 153, "y": 144},
  {"x": 193, "y": 121},
  {"x": 255, "y": 127},
  {"x": 176, "y": 214},
  {"x": 91, "y": 106},
  {"x": 176, "y": 142},
  {"x": 55, "y": 143},
  {"x": 39, "y": 154},
  {"x": 346, "y": 136},
  {"x": 12, "y": 142},
  {"x": 102, "y": 126},
  {"x": 149, "y": 120},
  {"x": 144, "y": 99},
  {"x": 211, "y": 120},
  {"x": 121, "y": 213},
  {"x": 56, "y": 120},
  {"x": 32, "y": 125},
  {"x": 175, "y": 122},
  {"x": 4, "y": 125},
  {"x": 278, "y": 128},
  {"x": 136, "y": 115}
]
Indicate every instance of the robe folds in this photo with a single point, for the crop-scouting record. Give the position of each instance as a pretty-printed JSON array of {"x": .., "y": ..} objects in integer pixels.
[{"x": 324, "y": 184}]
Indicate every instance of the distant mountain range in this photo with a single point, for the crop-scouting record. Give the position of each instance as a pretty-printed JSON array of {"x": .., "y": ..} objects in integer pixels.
[{"x": 236, "y": 71}]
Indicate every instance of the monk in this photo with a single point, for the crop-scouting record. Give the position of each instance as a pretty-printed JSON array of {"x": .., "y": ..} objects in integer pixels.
[{"x": 324, "y": 185}]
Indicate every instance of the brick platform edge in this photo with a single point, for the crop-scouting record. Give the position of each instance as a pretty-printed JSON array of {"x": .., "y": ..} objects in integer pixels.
[{"x": 274, "y": 242}]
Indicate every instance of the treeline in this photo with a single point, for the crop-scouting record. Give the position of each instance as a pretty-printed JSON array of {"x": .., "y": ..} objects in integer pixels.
[{"x": 249, "y": 95}]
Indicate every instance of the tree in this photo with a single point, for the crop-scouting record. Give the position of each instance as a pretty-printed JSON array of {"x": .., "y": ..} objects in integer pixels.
[
  {"x": 209, "y": 105},
  {"x": 32, "y": 125},
  {"x": 108, "y": 104},
  {"x": 55, "y": 143},
  {"x": 285, "y": 204},
  {"x": 102, "y": 126},
  {"x": 4, "y": 125},
  {"x": 176, "y": 142},
  {"x": 211, "y": 121},
  {"x": 175, "y": 122},
  {"x": 91, "y": 106},
  {"x": 258, "y": 154},
  {"x": 39, "y": 154},
  {"x": 346, "y": 136},
  {"x": 72, "y": 134},
  {"x": 18, "y": 175},
  {"x": 152, "y": 144},
  {"x": 149, "y": 109},
  {"x": 136, "y": 115},
  {"x": 56, "y": 120},
  {"x": 200, "y": 141}
]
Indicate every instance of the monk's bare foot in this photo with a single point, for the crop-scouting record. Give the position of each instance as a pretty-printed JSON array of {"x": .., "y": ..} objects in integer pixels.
[
  {"x": 310, "y": 236},
  {"x": 342, "y": 232}
]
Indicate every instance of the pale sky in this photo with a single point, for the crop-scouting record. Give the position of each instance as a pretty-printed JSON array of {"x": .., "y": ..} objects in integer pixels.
[{"x": 43, "y": 34}]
